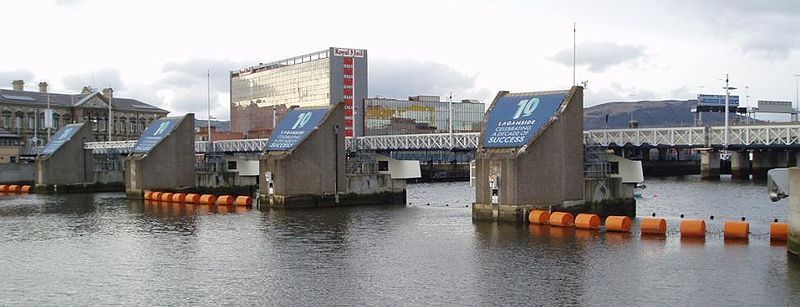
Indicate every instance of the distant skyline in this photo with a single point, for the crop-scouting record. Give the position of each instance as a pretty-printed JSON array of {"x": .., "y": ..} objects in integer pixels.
[{"x": 159, "y": 51}]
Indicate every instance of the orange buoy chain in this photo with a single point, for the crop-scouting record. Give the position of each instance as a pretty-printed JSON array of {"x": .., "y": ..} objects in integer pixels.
[
  {"x": 194, "y": 198},
  {"x": 15, "y": 188}
]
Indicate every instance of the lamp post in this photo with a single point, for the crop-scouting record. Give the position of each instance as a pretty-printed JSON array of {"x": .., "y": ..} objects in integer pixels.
[{"x": 727, "y": 98}]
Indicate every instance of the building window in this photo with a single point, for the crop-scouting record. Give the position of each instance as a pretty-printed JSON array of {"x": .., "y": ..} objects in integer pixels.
[
  {"x": 55, "y": 121},
  {"x": 18, "y": 120},
  {"x": 6, "y": 119},
  {"x": 122, "y": 123},
  {"x": 31, "y": 120},
  {"x": 231, "y": 165},
  {"x": 141, "y": 124},
  {"x": 67, "y": 119},
  {"x": 133, "y": 125}
]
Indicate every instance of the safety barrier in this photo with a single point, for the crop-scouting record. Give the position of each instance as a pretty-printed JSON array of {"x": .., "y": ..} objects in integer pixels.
[
  {"x": 194, "y": 198},
  {"x": 561, "y": 219},
  {"x": 778, "y": 232},
  {"x": 618, "y": 223},
  {"x": 736, "y": 230},
  {"x": 539, "y": 217},
  {"x": 653, "y": 226},
  {"x": 15, "y": 188},
  {"x": 693, "y": 229},
  {"x": 587, "y": 221}
]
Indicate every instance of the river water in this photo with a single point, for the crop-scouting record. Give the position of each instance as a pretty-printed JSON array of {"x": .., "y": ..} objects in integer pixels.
[{"x": 102, "y": 249}]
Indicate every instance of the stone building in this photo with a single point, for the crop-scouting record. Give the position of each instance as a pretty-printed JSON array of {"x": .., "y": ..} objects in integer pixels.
[{"x": 23, "y": 113}]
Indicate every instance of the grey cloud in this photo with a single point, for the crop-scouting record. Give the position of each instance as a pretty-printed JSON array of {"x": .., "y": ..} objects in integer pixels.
[
  {"x": 6, "y": 77},
  {"x": 764, "y": 29},
  {"x": 599, "y": 56},
  {"x": 98, "y": 79},
  {"x": 403, "y": 78},
  {"x": 69, "y": 3},
  {"x": 188, "y": 81}
]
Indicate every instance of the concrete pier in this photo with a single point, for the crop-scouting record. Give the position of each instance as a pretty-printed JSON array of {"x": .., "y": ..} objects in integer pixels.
[
  {"x": 709, "y": 164},
  {"x": 530, "y": 155},
  {"x": 794, "y": 211},
  {"x": 740, "y": 165},
  {"x": 163, "y": 158},
  {"x": 64, "y": 162}
]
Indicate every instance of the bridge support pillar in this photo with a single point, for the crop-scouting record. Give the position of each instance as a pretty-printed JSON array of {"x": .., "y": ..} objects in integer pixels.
[
  {"x": 740, "y": 165},
  {"x": 709, "y": 164},
  {"x": 765, "y": 160}
]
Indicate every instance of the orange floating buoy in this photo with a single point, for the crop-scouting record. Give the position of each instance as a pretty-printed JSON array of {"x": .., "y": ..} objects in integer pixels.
[
  {"x": 3, "y": 187},
  {"x": 587, "y": 221},
  {"x": 166, "y": 197},
  {"x": 178, "y": 197},
  {"x": 192, "y": 198},
  {"x": 225, "y": 200},
  {"x": 25, "y": 189},
  {"x": 538, "y": 217},
  {"x": 778, "y": 232},
  {"x": 13, "y": 188},
  {"x": 156, "y": 196},
  {"x": 693, "y": 228},
  {"x": 561, "y": 219},
  {"x": 208, "y": 199},
  {"x": 148, "y": 195},
  {"x": 736, "y": 230},
  {"x": 618, "y": 223},
  {"x": 243, "y": 201},
  {"x": 653, "y": 226}
]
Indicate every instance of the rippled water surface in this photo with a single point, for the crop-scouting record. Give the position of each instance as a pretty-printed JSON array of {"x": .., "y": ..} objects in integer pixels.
[{"x": 101, "y": 249}]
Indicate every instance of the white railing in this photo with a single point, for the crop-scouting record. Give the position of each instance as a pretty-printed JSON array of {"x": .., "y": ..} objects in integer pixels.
[{"x": 777, "y": 135}]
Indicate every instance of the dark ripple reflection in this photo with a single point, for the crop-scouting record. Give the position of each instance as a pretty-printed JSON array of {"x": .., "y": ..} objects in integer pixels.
[{"x": 101, "y": 249}]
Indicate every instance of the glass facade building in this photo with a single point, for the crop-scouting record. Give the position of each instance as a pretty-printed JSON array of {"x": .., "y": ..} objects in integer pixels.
[
  {"x": 321, "y": 78},
  {"x": 420, "y": 114}
]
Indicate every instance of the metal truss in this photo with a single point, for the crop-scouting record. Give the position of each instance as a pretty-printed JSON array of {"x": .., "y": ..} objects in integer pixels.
[
  {"x": 416, "y": 141},
  {"x": 113, "y": 147},
  {"x": 777, "y": 135},
  {"x": 245, "y": 145}
]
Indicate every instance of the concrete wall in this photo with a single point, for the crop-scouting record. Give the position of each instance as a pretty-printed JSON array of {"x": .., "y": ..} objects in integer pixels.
[
  {"x": 794, "y": 211},
  {"x": 169, "y": 165},
  {"x": 374, "y": 183},
  {"x": 17, "y": 172},
  {"x": 309, "y": 169},
  {"x": 70, "y": 163},
  {"x": 547, "y": 172}
]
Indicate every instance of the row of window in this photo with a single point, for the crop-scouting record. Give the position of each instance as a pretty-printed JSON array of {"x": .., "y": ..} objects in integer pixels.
[{"x": 19, "y": 120}]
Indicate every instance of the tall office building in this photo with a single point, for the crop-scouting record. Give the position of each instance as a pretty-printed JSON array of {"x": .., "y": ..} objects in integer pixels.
[
  {"x": 421, "y": 114},
  {"x": 321, "y": 78}
]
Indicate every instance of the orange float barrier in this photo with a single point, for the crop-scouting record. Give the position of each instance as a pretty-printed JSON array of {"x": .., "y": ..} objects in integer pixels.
[
  {"x": 538, "y": 217},
  {"x": 3, "y": 187},
  {"x": 178, "y": 197},
  {"x": 208, "y": 199},
  {"x": 618, "y": 223},
  {"x": 192, "y": 198},
  {"x": 25, "y": 189},
  {"x": 225, "y": 200},
  {"x": 736, "y": 230},
  {"x": 693, "y": 228},
  {"x": 243, "y": 201},
  {"x": 13, "y": 188},
  {"x": 587, "y": 221},
  {"x": 561, "y": 219},
  {"x": 778, "y": 232},
  {"x": 148, "y": 195},
  {"x": 166, "y": 197},
  {"x": 156, "y": 196},
  {"x": 653, "y": 226}
]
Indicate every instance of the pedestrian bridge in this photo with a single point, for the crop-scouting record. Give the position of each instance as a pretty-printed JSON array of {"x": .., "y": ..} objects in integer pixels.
[{"x": 738, "y": 136}]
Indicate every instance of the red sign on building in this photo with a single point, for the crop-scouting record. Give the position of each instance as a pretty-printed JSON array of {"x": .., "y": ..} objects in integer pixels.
[{"x": 349, "y": 112}]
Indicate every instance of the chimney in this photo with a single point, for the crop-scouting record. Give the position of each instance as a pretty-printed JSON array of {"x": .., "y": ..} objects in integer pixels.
[
  {"x": 108, "y": 93},
  {"x": 18, "y": 85},
  {"x": 42, "y": 87}
]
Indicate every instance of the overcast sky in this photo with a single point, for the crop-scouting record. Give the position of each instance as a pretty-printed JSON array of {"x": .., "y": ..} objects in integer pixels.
[{"x": 159, "y": 51}]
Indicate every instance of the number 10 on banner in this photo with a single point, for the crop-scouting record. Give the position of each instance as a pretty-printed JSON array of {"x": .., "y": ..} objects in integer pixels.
[{"x": 526, "y": 107}]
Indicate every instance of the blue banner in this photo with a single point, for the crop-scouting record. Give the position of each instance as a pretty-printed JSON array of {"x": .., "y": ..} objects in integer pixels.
[
  {"x": 155, "y": 132},
  {"x": 295, "y": 127},
  {"x": 717, "y": 100},
  {"x": 62, "y": 136},
  {"x": 514, "y": 120}
]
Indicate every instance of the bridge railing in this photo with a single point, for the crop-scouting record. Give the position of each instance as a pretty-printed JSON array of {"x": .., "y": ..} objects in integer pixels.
[
  {"x": 691, "y": 136},
  {"x": 416, "y": 141}
]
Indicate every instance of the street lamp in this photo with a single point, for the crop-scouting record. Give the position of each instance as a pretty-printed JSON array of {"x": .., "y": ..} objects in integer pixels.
[{"x": 727, "y": 98}]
